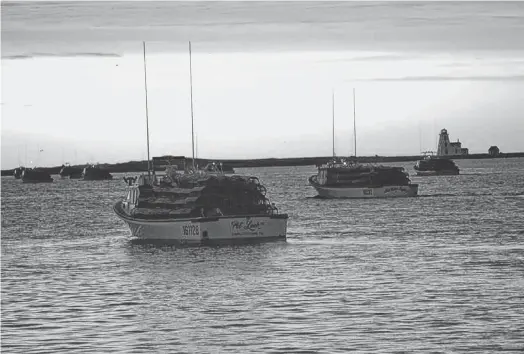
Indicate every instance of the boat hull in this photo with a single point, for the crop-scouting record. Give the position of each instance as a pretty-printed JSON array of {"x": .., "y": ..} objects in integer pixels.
[
  {"x": 95, "y": 178},
  {"x": 204, "y": 230},
  {"x": 37, "y": 181},
  {"x": 438, "y": 173},
  {"x": 397, "y": 191}
]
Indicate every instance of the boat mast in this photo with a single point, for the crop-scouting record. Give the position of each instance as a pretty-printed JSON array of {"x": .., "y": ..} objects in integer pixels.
[
  {"x": 191, "y": 94},
  {"x": 354, "y": 123},
  {"x": 147, "y": 114},
  {"x": 333, "y": 118}
]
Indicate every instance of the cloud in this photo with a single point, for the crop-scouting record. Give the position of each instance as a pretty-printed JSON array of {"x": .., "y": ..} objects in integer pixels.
[{"x": 60, "y": 55}]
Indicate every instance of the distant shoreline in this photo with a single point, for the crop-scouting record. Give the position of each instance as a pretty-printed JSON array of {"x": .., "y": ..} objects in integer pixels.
[{"x": 141, "y": 166}]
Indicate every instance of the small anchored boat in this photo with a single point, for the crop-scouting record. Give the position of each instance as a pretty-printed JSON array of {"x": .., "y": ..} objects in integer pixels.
[
  {"x": 17, "y": 173},
  {"x": 35, "y": 175},
  {"x": 435, "y": 166},
  {"x": 95, "y": 173},
  {"x": 218, "y": 167},
  {"x": 344, "y": 178},
  {"x": 68, "y": 171}
]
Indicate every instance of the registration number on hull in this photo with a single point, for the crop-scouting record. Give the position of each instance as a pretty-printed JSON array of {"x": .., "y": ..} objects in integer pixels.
[{"x": 190, "y": 230}]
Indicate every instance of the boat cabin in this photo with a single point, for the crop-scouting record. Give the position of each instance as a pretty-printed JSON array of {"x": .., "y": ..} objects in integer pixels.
[{"x": 326, "y": 170}]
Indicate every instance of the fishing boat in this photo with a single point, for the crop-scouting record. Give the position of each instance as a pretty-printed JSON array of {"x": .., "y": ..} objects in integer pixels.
[
  {"x": 435, "y": 166},
  {"x": 198, "y": 207},
  {"x": 95, "y": 173},
  {"x": 35, "y": 175},
  {"x": 17, "y": 173},
  {"x": 343, "y": 178},
  {"x": 218, "y": 167},
  {"x": 346, "y": 178},
  {"x": 68, "y": 171},
  {"x": 201, "y": 208}
]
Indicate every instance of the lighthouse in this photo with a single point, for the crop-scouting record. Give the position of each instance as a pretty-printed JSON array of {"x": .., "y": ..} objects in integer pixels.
[{"x": 448, "y": 148}]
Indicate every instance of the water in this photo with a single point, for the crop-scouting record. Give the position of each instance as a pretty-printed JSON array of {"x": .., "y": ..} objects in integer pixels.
[{"x": 437, "y": 273}]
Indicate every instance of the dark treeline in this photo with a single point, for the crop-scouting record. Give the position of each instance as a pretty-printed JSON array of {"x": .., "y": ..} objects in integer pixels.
[{"x": 160, "y": 162}]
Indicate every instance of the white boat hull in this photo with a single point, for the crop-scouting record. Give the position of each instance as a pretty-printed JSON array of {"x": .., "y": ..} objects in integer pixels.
[
  {"x": 365, "y": 192},
  {"x": 222, "y": 229},
  {"x": 438, "y": 173}
]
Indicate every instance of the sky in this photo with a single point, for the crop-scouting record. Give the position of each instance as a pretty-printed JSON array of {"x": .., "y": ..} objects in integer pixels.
[
  {"x": 247, "y": 106},
  {"x": 67, "y": 106}
]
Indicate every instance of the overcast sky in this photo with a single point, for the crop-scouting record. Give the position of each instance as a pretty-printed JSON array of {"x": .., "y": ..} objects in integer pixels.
[{"x": 272, "y": 99}]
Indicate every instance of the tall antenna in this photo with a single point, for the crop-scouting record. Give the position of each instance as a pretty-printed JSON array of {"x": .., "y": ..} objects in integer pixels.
[
  {"x": 333, "y": 112},
  {"x": 354, "y": 123},
  {"x": 191, "y": 93},
  {"x": 147, "y": 114}
]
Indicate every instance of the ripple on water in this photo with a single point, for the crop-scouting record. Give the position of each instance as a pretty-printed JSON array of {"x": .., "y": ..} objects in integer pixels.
[{"x": 441, "y": 272}]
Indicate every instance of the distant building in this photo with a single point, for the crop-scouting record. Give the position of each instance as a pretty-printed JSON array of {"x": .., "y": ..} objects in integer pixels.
[
  {"x": 447, "y": 148},
  {"x": 493, "y": 151}
]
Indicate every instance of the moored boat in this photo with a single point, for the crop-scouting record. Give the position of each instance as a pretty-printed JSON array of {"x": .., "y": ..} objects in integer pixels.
[
  {"x": 341, "y": 178},
  {"x": 435, "y": 166},
  {"x": 198, "y": 207},
  {"x": 95, "y": 173},
  {"x": 68, "y": 171},
  {"x": 201, "y": 208},
  {"x": 35, "y": 175},
  {"x": 220, "y": 167},
  {"x": 17, "y": 173}
]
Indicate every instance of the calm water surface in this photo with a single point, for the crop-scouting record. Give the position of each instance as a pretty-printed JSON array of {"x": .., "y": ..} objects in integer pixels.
[{"x": 442, "y": 272}]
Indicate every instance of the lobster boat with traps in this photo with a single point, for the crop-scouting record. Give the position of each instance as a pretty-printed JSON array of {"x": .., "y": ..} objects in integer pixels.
[
  {"x": 197, "y": 206},
  {"x": 435, "y": 166},
  {"x": 95, "y": 173},
  {"x": 17, "y": 173},
  {"x": 68, "y": 171},
  {"x": 36, "y": 175},
  {"x": 341, "y": 178},
  {"x": 200, "y": 208}
]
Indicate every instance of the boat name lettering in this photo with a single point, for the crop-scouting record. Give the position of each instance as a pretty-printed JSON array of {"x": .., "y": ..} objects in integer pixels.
[
  {"x": 393, "y": 189},
  {"x": 247, "y": 227},
  {"x": 191, "y": 230},
  {"x": 368, "y": 191}
]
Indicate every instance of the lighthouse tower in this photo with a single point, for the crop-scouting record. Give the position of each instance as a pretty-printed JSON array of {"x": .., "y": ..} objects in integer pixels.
[
  {"x": 447, "y": 148},
  {"x": 443, "y": 143}
]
